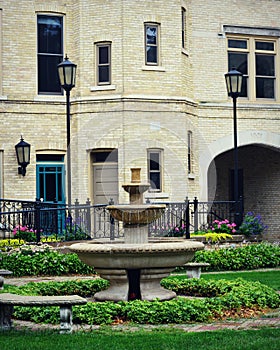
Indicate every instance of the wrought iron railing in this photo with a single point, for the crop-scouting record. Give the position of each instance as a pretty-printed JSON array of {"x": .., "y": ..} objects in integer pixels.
[{"x": 87, "y": 221}]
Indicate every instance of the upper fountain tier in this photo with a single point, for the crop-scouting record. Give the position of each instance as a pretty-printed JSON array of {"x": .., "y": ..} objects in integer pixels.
[{"x": 135, "y": 188}]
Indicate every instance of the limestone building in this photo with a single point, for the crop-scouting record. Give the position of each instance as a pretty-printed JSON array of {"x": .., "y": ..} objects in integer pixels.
[{"x": 150, "y": 93}]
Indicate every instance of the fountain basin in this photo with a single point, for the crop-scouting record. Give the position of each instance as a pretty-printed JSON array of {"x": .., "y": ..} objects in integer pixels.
[
  {"x": 137, "y": 256},
  {"x": 140, "y": 214}
]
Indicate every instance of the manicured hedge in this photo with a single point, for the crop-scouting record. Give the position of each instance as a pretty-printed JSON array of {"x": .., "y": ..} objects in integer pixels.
[
  {"x": 247, "y": 257},
  {"x": 220, "y": 298}
]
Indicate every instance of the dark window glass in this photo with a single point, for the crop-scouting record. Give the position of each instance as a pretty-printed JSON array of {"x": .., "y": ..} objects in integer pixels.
[
  {"x": 264, "y": 88},
  {"x": 49, "y": 158},
  {"x": 265, "y": 65},
  {"x": 154, "y": 161},
  {"x": 237, "y": 44},
  {"x": 103, "y": 55},
  {"x": 50, "y": 53},
  {"x": 102, "y": 157},
  {"x": 155, "y": 181},
  {"x": 264, "y": 45}
]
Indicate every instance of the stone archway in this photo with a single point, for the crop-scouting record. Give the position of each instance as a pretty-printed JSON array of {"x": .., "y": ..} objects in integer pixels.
[{"x": 259, "y": 160}]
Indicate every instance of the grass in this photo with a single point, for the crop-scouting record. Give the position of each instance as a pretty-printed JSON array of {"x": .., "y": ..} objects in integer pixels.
[
  {"x": 270, "y": 278},
  {"x": 158, "y": 339}
]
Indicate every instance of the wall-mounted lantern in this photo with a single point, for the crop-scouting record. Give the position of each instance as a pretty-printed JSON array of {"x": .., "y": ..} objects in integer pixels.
[{"x": 23, "y": 156}]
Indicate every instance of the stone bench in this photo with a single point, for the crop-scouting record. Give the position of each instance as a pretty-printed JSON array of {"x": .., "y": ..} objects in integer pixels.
[
  {"x": 2, "y": 274},
  {"x": 193, "y": 269},
  {"x": 8, "y": 301}
]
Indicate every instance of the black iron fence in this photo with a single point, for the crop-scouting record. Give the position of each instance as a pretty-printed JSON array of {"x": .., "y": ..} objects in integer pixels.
[{"x": 87, "y": 221}]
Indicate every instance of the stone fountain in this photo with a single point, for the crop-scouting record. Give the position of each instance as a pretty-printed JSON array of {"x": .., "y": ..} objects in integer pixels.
[{"x": 136, "y": 266}]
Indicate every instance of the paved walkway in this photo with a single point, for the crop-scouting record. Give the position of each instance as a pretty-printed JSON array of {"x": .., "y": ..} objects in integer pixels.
[{"x": 269, "y": 320}]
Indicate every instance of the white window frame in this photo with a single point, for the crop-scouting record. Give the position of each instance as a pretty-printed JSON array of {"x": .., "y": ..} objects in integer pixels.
[
  {"x": 99, "y": 65},
  {"x": 156, "y": 45},
  {"x": 251, "y": 53}
]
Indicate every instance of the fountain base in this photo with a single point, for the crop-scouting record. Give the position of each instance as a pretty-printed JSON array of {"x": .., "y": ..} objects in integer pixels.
[{"x": 131, "y": 284}]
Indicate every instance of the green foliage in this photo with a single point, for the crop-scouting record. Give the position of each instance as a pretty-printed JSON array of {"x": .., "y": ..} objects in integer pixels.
[
  {"x": 34, "y": 261},
  {"x": 24, "y": 233},
  {"x": 217, "y": 297},
  {"x": 215, "y": 237},
  {"x": 248, "y": 257},
  {"x": 84, "y": 288},
  {"x": 252, "y": 225}
]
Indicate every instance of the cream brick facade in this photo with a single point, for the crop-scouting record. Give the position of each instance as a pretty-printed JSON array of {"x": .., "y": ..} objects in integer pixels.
[{"x": 145, "y": 106}]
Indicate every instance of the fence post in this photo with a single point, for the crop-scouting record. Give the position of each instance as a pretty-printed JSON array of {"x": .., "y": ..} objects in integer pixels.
[
  {"x": 112, "y": 223},
  {"x": 37, "y": 220},
  {"x": 195, "y": 209},
  {"x": 187, "y": 218},
  {"x": 88, "y": 217}
]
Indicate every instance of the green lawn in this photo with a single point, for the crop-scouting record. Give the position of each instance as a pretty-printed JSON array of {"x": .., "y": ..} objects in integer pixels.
[
  {"x": 270, "y": 278},
  {"x": 168, "y": 339}
]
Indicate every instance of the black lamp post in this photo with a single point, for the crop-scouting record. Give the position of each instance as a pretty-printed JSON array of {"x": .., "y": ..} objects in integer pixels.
[
  {"x": 67, "y": 77},
  {"x": 23, "y": 156},
  {"x": 234, "y": 84}
]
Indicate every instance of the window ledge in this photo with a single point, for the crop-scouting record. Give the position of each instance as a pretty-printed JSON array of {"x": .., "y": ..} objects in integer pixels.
[
  {"x": 191, "y": 176},
  {"x": 185, "y": 52},
  {"x": 154, "y": 68},
  {"x": 3, "y": 97},
  {"x": 103, "y": 87},
  {"x": 156, "y": 195}
]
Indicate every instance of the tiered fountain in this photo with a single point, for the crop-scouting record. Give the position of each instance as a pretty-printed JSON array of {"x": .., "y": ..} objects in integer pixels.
[{"x": 136, "y": 266}]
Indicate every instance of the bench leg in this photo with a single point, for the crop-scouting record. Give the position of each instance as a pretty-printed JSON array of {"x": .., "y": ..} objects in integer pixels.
[
  {"x": 1, "y": 282},
  {"x": 194, "y": 272},
  {"x": 6, "y": 312},
  {"x": 66, "y": 319}
]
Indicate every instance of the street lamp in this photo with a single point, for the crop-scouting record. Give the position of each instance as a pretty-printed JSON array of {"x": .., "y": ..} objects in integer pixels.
[
  {"x": 67, "y": 76},
  {"x": 23, "y": 156},
  {"x": 234, "y": 84}
]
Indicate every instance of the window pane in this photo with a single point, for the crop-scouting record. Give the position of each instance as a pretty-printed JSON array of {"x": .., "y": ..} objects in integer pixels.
[
  {"x": 155, "y": 181},
  {"x": 47, "y": 74},
  {"x": 151, "y": 35},
  {"x": 265, "y": 87},
  {"x": 265, "y": 65},
  {"x": 264, "y": 45},
  {"x": 51, "y": 186},
  {"x": 239, "y": 61},
  {"x": 244, "y": 87},
  {"x": 152, "y": 54},
  {"x": 154, "y": 161},
  {"x": 237, "y": 44},
  {"x": 103, "y": 74},
  {"x": 50, "y": 34},
  {"x": 103, "y": 55}
]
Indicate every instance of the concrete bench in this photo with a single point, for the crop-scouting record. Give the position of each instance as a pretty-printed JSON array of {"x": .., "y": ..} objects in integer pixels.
[
  {"x": 193, "y": 269},
  {"x": 2, "y": 274},
  {"x": 8, "y": 301}
]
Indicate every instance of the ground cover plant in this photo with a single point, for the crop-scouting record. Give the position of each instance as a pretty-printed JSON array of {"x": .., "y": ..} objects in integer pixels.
[
  {"x": 156, "y": 339},
  {"x": 217, "y": 300}
]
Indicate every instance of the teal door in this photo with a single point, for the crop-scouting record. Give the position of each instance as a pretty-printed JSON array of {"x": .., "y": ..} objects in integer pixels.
[{"x": 50, "y": 188}]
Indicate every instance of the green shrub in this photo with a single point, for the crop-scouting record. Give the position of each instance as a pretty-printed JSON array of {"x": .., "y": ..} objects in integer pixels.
[
  {"x": 219, "y": 298},
  {"x": 248, "y": 257},
  {"x": 41, "y": 260}
]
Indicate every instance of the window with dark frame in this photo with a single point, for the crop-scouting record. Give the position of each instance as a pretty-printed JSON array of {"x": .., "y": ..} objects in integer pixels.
[
  {"x": 103, "y": 63},
  {"x": 183, "y": 14},
  {"x": 50, "y": 53},
  {"x": 189, "y": 152},
  {"x": 151, "y": 44},
  {"x": 154, "y": 170},
  {"x": 255, "y": 59}
]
